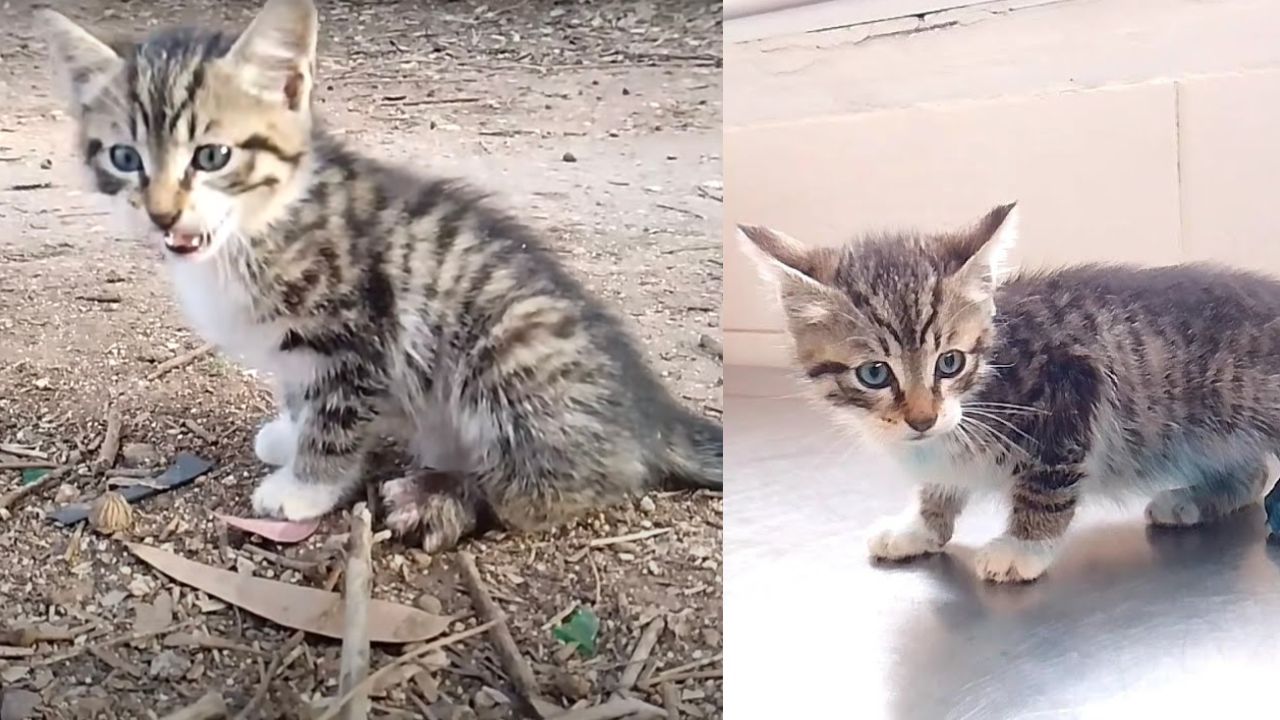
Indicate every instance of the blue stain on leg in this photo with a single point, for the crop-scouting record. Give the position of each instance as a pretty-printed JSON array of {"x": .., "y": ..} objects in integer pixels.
[{"x": 1272, "y": 505}]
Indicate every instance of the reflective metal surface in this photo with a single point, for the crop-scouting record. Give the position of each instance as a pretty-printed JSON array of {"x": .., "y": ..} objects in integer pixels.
[{"x": 1128, "y": 623}]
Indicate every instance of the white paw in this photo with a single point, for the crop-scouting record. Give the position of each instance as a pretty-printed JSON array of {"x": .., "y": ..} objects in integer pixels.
[
  {"x": 1010, "y": 560},
  {"x": 281, "y": 494},
  {"x": 275, "y": 442},
  {"x": 903, "y": 543},
  {"x": 1171, "y": 508}
]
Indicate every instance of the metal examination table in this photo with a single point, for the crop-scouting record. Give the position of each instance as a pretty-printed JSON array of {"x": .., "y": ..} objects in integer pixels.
[{"x": 1129, "y": 623}]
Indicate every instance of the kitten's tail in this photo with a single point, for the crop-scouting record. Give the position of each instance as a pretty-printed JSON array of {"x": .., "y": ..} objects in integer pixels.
[{"x": 695, "y": 454}]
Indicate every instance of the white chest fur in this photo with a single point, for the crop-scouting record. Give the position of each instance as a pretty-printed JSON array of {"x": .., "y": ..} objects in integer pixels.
[{"x": 217, "y": 304}]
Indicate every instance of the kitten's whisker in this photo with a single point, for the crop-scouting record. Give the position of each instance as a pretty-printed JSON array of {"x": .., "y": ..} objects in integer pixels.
[
  {"x": 991, "y": 416},
  {"x": 1003, "y": 441},
  {"x": 993, "y": 406}
]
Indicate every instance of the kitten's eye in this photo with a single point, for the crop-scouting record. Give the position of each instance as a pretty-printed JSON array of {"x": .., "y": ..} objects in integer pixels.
[
  {"x": 950, "y": 364},
  {"x": 125, "y": 158},
  {"x": 211, "y": 158},
  {"x": 875, "y": 375}
]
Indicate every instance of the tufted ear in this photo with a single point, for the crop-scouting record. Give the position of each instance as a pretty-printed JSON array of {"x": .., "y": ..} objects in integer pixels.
[
  {"x": 985, "y": 250},
  {"x": 85, "y": 63},
  {"x": 275, "y": 58},
  {"x": 779, "y": 256}
]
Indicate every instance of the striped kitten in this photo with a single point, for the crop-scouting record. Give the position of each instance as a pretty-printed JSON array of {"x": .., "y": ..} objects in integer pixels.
[
  {"x": 380, "y": 301},
  {"x": 1046, "y": 386}
]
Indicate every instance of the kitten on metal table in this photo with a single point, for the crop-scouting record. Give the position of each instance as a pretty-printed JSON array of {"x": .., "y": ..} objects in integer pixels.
[
  {"x": 380, "y": 300},
  {"x": 1045, "y": 386}
]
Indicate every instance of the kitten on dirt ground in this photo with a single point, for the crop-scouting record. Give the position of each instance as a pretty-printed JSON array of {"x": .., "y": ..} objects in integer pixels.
[
  {"x": 1045, "y": 386},
  {"x": 382, "y": 302}
]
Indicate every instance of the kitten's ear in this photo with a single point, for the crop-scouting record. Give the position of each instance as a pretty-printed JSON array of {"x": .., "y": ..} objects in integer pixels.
[
  {"x": 778, "y": 256},
  {"x": 988, "y": 246},
  {"x": 275, "y": 57},
  {"x": 85, "y": 63}
]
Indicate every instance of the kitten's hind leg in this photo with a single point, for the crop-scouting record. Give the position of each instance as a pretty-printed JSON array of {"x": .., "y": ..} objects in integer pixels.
[
  {"x": 440, "y": 507},
  {"x": 1219, "y": 493},
  {"x": 923, "y": 529}
]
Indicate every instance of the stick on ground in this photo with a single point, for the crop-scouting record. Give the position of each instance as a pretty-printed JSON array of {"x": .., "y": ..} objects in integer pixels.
[
  {"x": 513, "y": 663},
  {"x": 355, "y": 601},
  {"x": 639, "y": 656},
  {"x": 670, "y": 701},
  {"x": 614, "y": 709},
  {"x": 174, "y": 363},
  {"x": 110, "y": 442},
  {"x": 209, "y": 707},
  {"x": 383, "y": 671},
  {"x": 13, "y": 497}
]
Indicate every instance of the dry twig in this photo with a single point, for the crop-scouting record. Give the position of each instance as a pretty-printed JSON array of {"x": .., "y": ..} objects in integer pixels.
[
  {"x": 355, "y": 603},
  {"x": 513, "y": 663},
  {"x": 16, "y": 495},
  {"x": 385, "y": 670},
  {"x": 642, "y": 535},
  {"x": 184, "y": 359},
  {"x": 110, "y": 446},
  {"x": 209, "y": 707},
  {"x": 26, "y": 465},
  {"x": 615, "y": 708},
  {"x": 670, "y": 702},
  {"x": 640, "y": 655},
  {"x": 681, "y": 672}
]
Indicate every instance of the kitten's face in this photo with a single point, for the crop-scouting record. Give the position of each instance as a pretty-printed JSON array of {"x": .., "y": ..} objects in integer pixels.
[
  {"x": 201, "y": 137},
  {"x": 893, "y": 332}
]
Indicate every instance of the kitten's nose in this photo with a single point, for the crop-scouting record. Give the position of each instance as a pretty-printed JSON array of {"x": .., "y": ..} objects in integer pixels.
[
  {"x": 921, "y": 423},
  {"x": 164, "y": 220}
]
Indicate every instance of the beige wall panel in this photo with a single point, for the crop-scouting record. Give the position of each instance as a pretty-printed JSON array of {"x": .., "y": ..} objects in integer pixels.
[
  {"x": 1230, "y": 131},
  {"x": 1095, "y": 172}
]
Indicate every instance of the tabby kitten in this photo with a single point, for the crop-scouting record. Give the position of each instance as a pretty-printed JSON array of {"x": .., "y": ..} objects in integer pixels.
[
  {"x": 381, "y": 301},
  {"x": 1045, "y": 386}
]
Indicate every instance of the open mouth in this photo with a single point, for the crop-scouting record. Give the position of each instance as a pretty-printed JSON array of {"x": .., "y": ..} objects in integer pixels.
[{"x": 185, "y": 244}]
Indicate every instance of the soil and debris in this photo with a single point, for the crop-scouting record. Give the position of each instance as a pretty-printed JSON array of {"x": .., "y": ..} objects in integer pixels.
[{"x": 600, "y": 121}]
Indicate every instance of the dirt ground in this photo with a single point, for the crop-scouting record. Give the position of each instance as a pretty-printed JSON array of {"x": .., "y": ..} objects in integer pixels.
[{"x": 600, "y": 121}]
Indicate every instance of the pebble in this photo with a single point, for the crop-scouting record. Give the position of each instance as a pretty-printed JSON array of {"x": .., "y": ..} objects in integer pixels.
[
  {"x": 647, "y": 505},
  {"x": 488, "y": 697},
  {"x": 569, "y": 157},
  {"x": 139, "y": 454},
  {"x": 430, "y": 603},
  {"x": 168, "y": 665},
  {"x": 570, "y": 686}
]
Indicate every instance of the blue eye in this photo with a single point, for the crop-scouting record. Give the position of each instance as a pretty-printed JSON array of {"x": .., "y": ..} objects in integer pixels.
[
  {"x": 211, "y": 158},
  {"x": 875, "y": 375},
  {"x": 125, "y": 158},
  {"x": 950, "y": 364}
]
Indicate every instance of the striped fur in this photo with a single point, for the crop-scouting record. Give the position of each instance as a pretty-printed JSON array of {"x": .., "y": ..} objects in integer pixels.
[
  {"x": 1095, "y": 380},
  {"x": 381, "y": 301}
]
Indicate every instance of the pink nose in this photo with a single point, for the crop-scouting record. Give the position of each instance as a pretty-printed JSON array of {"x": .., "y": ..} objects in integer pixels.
[{"x": 921, "y": 423}]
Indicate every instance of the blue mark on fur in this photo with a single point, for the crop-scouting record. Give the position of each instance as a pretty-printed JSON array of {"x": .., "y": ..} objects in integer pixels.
[{"x": 1272, "y": 505}]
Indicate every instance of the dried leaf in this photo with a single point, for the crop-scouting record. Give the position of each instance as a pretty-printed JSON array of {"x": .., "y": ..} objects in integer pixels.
[
  {"x": 154, "y": 617},
  {"x": 18, "y": 704},
  {"x": 281, "y": 531},
  {"x": 301, "y": 608}
]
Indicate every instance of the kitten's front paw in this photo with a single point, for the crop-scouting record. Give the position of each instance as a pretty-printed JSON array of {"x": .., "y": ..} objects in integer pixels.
[
  {"x": 904, "y": 543},
  {"x": 281, "y": 494},
  {"x": 275, "y": 442},
  {"x": 1010, "y": 560},
  {"x": 1171, "y": 508}
]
